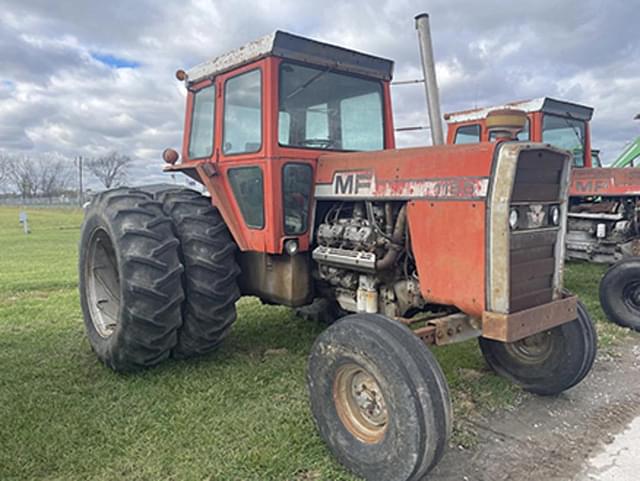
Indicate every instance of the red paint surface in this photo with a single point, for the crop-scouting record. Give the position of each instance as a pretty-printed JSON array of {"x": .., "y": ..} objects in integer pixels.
[{"x": 449, "y": 247}]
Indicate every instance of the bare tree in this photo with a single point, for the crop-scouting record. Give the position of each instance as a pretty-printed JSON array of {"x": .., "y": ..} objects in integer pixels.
[
  {"x": 22, "y": 175},
  {"x": 46, "y": 175},
  {"x": 4, "y": 168},
  {"x": 110, "y": 169},
  {"x": 53, "y": 175}
]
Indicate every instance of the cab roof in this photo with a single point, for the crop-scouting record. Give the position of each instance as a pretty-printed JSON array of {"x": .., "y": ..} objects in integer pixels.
[
  {"x": 293, "y": 47},
  {"x": 541, "y": 104}
]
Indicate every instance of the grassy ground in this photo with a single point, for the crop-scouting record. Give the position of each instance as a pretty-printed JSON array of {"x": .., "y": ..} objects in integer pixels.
[{"x": 240, "y": 414}]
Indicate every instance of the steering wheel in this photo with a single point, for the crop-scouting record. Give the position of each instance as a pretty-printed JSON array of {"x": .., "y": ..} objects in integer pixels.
[{"x": 320, "y": 143}]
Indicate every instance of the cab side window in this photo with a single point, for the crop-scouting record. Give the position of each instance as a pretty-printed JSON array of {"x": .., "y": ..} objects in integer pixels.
[
  {"x": 201, "y": 136},
  {"x": 243, "y": 114},
  {"x": 248, "y": 188},
  {"x": 467, "y": 134}
]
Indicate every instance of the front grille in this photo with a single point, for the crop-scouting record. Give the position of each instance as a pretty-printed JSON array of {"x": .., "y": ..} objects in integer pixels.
[{"x": 533, "y": 251}]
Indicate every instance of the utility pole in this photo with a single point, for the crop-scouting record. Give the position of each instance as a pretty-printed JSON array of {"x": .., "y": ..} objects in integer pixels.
[{"x": 80, "y": 192}]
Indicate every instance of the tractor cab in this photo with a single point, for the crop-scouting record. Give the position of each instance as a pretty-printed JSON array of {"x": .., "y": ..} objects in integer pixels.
[
  {"x": 257, "y": 119},
  {"x": 261, "y": 115},
  {"x": 556, "y": 122}
]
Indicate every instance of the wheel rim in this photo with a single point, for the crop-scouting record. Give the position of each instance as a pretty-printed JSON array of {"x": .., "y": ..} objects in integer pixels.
[
  {"x": 360, "y": 403},
  {"x": 533, "y": 349},
  {"x": 102, "y": 283},
  {"x": 631, "y": 296}
]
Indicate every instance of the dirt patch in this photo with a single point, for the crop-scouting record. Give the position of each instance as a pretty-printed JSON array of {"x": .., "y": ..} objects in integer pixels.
[{"x": 551, "y": 438}]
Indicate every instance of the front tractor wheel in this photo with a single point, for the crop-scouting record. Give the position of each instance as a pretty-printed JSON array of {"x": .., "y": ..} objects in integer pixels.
[
  {"x": 620, "y": 293},
  {"x": 130, "y": 280},
  {"x": 549, "y": 362},
  {"x": 379, "y": 398}
]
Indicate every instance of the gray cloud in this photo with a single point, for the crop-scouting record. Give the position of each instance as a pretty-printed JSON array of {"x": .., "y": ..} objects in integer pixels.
[{"x": 56, "y": 97}]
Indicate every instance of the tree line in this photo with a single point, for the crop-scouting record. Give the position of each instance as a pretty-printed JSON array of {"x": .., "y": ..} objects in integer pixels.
[{"x": 51, "y": 176}]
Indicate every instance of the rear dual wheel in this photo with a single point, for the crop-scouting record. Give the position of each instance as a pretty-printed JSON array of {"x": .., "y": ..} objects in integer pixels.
[
  {"x": 549, "y": 362},
  {"x": 157, "y": 276},
  {"x": 130, "y": 280},
  {"x": 207, "y": 252},
  {"x": 379, "y": 398}
]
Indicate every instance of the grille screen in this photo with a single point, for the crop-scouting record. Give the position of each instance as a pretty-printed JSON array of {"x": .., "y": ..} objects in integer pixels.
[{"x": 532, "y": 251}]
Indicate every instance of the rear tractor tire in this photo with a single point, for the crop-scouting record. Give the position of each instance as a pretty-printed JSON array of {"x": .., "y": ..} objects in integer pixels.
[
  {"x": 207, "y": 251},
  {"x": 130, "y": 280},
  {"x": 549, "y": 362},
  {"x": 379, "y": 398},
  {"x": 620, "y": 293}
]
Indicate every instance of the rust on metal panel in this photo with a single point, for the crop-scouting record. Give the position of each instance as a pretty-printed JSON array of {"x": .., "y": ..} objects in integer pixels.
[
  {"x": 499, "y": 235},
  {"x": 240, "y": 56},
  {"x": 454, "y": 328},
  {"x": 445, "y": 329},
  {"x": 513, "y": 327},
  {"x": 532, "y": 105},
  {"x": 427, "y": 334},
  {"x": 422, "y": 317},
  {"x": 279, "y": 279},
  {"x": 190, "y": 169}
]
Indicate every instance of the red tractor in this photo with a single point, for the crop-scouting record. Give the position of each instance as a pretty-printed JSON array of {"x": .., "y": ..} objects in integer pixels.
[
  {"x": 603, "y": 221},
  {"x": 293, "y": 140},
  {"x": 603, "y": 224}
]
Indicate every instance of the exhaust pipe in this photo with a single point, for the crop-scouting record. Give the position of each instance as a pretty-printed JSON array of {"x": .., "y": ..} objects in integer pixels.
[{"x": 430, "y": 82}]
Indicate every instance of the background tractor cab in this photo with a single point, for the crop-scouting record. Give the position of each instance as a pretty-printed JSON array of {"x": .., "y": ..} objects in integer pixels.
[{"x": 556, "y": 122}]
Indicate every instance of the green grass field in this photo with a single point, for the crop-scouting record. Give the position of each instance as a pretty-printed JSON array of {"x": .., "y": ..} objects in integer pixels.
[{"x": 239, "y": 414}]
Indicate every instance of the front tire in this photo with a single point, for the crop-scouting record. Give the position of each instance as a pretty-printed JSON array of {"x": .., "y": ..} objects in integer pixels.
[
  {"x": 130, "y": 280},
  {"x": 379, "y": 398},
  {"x": 620, "y": 293},
  {"x": 549, "y": 362}
]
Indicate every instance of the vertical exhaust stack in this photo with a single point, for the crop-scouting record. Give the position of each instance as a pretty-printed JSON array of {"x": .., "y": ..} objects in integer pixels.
[{"x": 430, "y": 82}]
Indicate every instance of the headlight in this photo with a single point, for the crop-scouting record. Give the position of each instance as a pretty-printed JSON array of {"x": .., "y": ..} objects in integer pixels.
[
  {"x": 554, "y": 215},
  {"x": 513, "y": 218},
  {"x": 291, "y": 247}
]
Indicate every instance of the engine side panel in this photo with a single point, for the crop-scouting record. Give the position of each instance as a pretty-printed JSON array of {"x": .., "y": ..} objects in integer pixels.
[
  {"x": 443, "y": 172},
  {"x": 445, "y": 189},
  {"x": 449, "y": 248}
]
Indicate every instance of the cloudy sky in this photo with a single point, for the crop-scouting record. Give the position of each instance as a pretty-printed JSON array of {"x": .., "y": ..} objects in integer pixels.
[{"x": 85, "y": 77}]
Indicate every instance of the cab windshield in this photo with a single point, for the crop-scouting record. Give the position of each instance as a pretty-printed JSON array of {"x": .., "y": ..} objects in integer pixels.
[
  {"x": 565, "y": 133},
  {"x": 323, "y": 109}
]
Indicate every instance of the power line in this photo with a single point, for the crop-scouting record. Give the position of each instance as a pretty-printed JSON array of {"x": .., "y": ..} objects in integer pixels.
[
  {"x": 408, "y": 82},
  {"x": 409, "y": 129}
]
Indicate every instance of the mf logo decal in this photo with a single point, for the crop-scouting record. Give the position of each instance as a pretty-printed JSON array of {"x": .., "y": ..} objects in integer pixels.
[
  {"x": 591, "y": 186},
  {"x": 353, "y": 184}
]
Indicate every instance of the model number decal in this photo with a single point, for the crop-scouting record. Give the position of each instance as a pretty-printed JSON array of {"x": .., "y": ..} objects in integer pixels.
[
  {"x": 363, "y": 184},
  {"x": 456, "y": 188}
]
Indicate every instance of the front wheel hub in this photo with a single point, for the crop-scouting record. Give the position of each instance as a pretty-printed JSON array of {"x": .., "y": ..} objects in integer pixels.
[
  {"x": 631, "y": 295},
  {"x": 360, "y": 403},
  {"x": 533, "y": 349}
]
